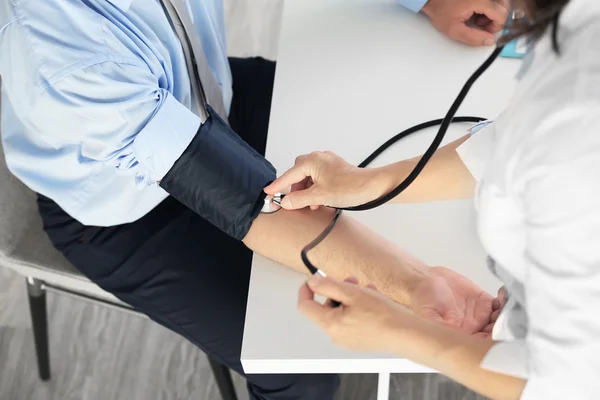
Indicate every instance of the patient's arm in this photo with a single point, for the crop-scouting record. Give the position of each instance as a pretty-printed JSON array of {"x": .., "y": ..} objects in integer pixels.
[
  {"x": 220, "y": 177},
  {"x": 350, "y": 250},
  {"x": 437, "y": 294}
]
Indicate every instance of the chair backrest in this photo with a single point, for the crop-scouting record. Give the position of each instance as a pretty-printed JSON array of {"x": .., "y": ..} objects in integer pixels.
[
  {"x": 22, "y": 239},
  {"x": 18, "y": 210},
  {"x": 25, "y": 247}
]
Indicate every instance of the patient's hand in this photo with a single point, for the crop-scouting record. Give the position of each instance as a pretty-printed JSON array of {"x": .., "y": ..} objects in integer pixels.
[
  {"x": 450, "y": 298},
  {"x": 453, "y": 18}
]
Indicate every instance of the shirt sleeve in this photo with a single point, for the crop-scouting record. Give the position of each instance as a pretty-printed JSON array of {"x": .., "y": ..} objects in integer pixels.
[
  {"x": 114, "y": 119},
  {"x": 413, "y": 5},
  {"x": 120, "y": 116},
  {"x": 559, "y": 186},
  {"x": 476, "y": 150}
]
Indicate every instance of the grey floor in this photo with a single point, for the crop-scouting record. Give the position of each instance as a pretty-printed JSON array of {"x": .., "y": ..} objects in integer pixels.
[{"x": 103, "y": 354}]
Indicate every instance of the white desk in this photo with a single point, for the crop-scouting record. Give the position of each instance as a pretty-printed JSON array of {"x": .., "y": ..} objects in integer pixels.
[{"x": 350, "y": 74}]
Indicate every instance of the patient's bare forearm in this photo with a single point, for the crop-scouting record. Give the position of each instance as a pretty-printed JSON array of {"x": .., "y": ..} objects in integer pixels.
[{"x": 351, "y": 250}]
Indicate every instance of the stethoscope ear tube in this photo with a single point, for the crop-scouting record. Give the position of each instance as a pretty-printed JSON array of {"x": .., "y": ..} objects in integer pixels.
[
  {"x": 435, "y": 144},
  {"x": 444, "y": 124}
]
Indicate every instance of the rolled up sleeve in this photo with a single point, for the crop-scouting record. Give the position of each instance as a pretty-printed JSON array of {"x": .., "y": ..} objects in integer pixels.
[
  {"x": 164, "y": 139},
  {"x": 118, "y": 115},
  {"x": 475, "y": 151}
]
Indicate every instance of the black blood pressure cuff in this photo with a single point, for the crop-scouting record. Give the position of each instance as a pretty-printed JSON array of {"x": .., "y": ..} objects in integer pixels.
[{"x": 220, "y": 177}]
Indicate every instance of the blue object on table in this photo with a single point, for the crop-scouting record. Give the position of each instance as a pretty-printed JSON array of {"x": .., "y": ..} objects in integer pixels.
[
  {"x": 518, "y": 47},
  {"x": 514, "y": 49}
]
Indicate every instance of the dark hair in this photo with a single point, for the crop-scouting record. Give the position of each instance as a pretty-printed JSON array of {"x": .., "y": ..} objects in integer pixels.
[{"x": 540, "y": 15}]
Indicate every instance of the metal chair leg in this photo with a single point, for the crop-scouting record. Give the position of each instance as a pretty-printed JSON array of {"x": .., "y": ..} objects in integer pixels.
[
  {"x": 224, "y": 382},
  {"x": 39, "y": 323}
]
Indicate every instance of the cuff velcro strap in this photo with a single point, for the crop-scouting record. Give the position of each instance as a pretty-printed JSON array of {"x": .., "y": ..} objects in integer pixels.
[{"x": 221, "y": 178}]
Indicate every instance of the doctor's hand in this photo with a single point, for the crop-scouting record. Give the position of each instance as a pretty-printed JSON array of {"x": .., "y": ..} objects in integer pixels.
[
  {"x": 443, "y": 296},
  {"x": 497, "y": 307},
  {"x": 365, "y": 321},
  {"x": 323, "y": 178},
  {"x": 474, "y": 22}
]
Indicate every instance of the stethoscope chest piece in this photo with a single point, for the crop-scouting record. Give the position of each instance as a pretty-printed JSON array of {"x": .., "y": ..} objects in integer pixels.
[{"x": 272, "y": 203}]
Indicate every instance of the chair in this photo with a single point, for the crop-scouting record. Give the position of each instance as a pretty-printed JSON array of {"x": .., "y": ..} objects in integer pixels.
[{"x": 25, "y": 248}]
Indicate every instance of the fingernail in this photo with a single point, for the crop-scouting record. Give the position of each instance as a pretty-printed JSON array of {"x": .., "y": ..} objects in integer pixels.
[
  {"x": 285, "y": 203},
  {"x": 489, "y": 42},
  {"x": 314, "y": 280}
]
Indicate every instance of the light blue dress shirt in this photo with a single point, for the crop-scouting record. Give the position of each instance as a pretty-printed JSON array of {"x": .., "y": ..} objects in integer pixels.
[
  {"x": 96, "y": 99},
  {"x": 414, "y": 5}
]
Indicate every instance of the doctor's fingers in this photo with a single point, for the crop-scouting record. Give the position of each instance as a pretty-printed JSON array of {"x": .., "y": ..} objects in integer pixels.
[
  {"x": 312, "y": 197},
  {"x": 502, "y": 297},
  {"x": 495, "y": 315},
  {"x": 320, "y": 314},
  {"x": 346, "y": 293},
  {"x": 304, "y": 167},
  {"x": 294, "y": 175},
  {"x": 306, "y": 184}
]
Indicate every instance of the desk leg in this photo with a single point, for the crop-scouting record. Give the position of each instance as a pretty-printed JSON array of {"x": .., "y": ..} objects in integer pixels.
[{"x": 383, "y": 387}]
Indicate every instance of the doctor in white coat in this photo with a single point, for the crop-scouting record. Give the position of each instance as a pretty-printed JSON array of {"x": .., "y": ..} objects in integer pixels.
[{"x": 535, "y": 174}]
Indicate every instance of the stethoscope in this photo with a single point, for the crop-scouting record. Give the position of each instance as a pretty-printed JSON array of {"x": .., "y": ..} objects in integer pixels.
[{"x": 274, "y": 202}]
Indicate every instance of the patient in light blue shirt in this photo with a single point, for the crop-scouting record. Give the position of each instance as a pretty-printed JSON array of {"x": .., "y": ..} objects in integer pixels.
[{"x": 96, "y": 99}]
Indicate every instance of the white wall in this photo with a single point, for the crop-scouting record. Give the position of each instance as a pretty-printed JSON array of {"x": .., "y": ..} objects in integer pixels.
[{"x": 253, "y": 27}]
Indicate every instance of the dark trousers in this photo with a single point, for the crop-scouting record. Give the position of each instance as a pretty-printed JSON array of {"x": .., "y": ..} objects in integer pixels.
[{"x": 180, "y": 270}]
